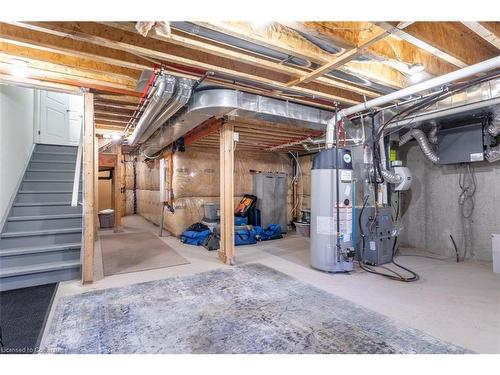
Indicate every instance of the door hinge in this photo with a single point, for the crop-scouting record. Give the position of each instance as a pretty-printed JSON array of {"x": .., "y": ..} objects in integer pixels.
[{"x": 39, "y": 132}]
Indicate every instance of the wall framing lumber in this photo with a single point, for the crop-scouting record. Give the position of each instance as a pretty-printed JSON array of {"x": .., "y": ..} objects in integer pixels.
[
  {"x": 227, "y": 248},
  {"x": 117, "y": 186},
  {"x": 88, "y": 190}
]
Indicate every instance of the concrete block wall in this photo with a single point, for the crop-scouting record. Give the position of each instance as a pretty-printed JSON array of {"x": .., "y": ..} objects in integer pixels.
[{"x": 431, "y": 211}]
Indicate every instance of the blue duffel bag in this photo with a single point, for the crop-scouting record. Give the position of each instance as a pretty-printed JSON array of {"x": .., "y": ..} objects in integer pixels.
[
  {"x": 244, "y": 237},
  {"x": 272, "y": 232},
  {"x": 192, "y": 237}
]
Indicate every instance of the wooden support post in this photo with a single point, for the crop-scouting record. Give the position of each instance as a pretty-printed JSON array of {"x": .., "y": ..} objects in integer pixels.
[
  {"x": 117, "y": 175},
  {"x": 88, "y": 190},
  {"x": 227, "y": 252},
  {"x": 96, "y": 187}
]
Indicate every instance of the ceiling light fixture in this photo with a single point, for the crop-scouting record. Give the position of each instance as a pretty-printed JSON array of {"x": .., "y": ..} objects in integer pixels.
[
  {"x": 19, "y": 68},
  {"x": 415, "y": 68}
]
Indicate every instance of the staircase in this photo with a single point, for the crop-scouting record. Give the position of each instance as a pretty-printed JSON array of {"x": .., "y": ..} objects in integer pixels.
[{"x": 41, "y": 239}]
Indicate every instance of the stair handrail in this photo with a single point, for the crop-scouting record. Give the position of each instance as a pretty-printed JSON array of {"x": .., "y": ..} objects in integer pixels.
[{"x": 76, "y": 179}]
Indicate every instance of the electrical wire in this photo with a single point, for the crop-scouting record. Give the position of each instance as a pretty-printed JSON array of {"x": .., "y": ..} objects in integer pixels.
[{"x": 468, "y": 185}]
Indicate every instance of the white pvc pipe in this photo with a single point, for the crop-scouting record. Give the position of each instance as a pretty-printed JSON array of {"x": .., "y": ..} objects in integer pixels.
[{"x": 483, "y": 66}]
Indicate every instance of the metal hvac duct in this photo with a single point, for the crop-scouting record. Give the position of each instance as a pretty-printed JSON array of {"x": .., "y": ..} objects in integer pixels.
[
  {"x": 178, "y": 100},
  {"x": 160, "y": 96},
  {"x": 218, "y": 103}
]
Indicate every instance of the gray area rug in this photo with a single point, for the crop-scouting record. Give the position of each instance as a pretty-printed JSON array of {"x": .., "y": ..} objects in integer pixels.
[
  {"x": 133, "y": 252},
  {"x": 246, "y": 309}
]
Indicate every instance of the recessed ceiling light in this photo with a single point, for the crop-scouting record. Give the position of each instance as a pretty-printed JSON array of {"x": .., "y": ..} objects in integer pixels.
[
  {"x": 19, "y": 68},
  {"x": 416, "y": 68}
]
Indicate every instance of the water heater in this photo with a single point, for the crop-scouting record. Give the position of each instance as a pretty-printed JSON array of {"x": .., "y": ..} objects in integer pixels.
[{"x": 326, "y": 194}]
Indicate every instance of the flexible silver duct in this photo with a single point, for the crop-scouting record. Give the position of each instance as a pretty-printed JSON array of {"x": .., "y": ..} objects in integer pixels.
[
  {"x": 388, "y": 175},
  {"x": 494, "y": 127},
  {"x": 162, "y": 93},
  {"x": 391, "y": 177},
  {"x": 433, "y": 134},
  {"x": 493, "y": 154},
  {"x": 425, "y": 145},
  {"x": 405, "y": 138},
  {"x": 181, "y": 97}
]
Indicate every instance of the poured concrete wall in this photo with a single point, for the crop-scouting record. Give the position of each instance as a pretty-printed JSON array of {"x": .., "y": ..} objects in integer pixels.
[{"x": 431, "y": 210}]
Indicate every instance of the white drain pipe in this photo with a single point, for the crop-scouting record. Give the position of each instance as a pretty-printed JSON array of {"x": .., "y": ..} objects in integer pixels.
[{"x": 471, "y": 70}]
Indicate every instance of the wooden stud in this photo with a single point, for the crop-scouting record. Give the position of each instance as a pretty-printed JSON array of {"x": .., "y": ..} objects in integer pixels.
[
  {"x": 338, "y": 61},
  {"x": 96, "y": 186},
  {"x": 118, "y": 189},
  {"x": 227, "y": 251},
  {"x": 88, "y": 190}
]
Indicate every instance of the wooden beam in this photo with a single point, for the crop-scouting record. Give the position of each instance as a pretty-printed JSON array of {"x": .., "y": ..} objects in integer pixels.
[
  {"x": 118, "y": 189},
  {"x": 338, "y": 61},
  {"x": 485, "y": 32},
  {"x": 88, "y": 190},
  {"x": 227, "y": 251},
  {"x": 110, "y": 38},
  {"x": 210, "y": 126}
]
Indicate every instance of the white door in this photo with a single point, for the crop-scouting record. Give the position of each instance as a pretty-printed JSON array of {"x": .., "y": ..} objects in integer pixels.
[{"x": 59, "y": 118}]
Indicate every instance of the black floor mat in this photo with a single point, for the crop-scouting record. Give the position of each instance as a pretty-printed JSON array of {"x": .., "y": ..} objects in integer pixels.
[{"x": 23, "y": 313}]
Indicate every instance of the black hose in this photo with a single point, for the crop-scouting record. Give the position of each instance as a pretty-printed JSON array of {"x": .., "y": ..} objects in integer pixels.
[{"x": 455, "y": 246}]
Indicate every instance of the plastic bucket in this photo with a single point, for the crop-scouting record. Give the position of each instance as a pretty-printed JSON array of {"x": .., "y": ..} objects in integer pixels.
[{"x": 303, "y": 229}]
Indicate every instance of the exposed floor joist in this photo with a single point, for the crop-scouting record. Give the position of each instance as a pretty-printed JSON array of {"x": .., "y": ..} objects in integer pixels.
[
  {"x": 128, "y": 42},
  {"x": 489, "y": 33},
  {"x": 286, "y": 40}
]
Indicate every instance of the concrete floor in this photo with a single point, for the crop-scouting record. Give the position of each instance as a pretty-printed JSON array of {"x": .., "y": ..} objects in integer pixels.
[{"x": 458, "y": 303}]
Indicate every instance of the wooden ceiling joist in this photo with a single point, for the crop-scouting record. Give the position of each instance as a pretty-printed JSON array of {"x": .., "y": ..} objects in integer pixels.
[
  {"x": 287, "y": 40},
  {"x": 115, "y": 39},
  {"x": 85, "y": 64},
  {"x": 489, "y": 33},
  {"x": 199, "y": 44}
]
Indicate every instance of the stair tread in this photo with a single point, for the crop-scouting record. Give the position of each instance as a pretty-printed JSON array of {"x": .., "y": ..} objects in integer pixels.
[
  {"x": 41, "y": 232},
  {"x": 54, "y": 161},
  {"x": 43, "y": 217},
  {"x": 50, "y": 170},
  {"x": 39, "y": 249},
  {"x": 36, "y": 204},
  {"x": 47, "y": 180},
  {"x": 44, "y": 191},
  {"x": 54, "y": 266},
  {"x": 54, "y": 153}
]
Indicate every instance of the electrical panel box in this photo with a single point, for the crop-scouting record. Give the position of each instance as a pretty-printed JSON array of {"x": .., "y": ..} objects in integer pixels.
[
  {"x": 462, "y": 144},
  {"x": 271, "y": 191},
  {"x": 377, "y": 228}
]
